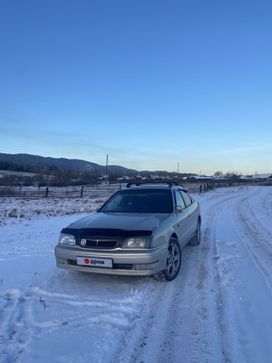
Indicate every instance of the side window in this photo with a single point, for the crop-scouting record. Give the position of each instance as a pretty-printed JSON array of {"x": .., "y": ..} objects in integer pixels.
[
  {"x": 187, "y": 199},
  {"x": 179, "y": 200}
]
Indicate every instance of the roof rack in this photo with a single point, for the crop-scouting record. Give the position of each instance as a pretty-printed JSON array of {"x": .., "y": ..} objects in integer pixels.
[{"x": 151, "y": 181}]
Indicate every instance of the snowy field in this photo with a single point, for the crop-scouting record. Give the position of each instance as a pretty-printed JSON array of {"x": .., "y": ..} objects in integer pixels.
[
  {"x": 219, "y": 309},
  {"x": 13, "y": 210}
]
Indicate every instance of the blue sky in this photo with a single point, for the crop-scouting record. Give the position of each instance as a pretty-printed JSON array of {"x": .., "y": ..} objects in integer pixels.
[{"x": 151, "y": 83}]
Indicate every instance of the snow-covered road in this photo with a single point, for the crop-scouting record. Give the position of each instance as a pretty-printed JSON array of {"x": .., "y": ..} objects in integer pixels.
[{"x": 217, "y": 310}]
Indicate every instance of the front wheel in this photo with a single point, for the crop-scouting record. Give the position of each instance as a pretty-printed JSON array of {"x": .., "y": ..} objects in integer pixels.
[{"x": 173, "y": 262}]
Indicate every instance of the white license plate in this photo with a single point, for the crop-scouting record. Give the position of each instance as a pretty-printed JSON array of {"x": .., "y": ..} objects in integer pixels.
[{"x": 94, "y": 262}]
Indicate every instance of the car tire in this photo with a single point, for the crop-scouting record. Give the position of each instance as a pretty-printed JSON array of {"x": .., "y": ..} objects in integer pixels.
[
  {"x": 173, "y": 262},
  {"x": 195, "y": 241}
]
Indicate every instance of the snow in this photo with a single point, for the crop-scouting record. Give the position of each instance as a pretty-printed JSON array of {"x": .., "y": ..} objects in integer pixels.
[
  {"x": 12, "y": 209},
  {"x": 217, "y": 310}
]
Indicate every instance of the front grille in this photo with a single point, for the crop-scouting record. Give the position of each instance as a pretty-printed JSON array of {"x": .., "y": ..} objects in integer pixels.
[{"x": 99, "y": 243}]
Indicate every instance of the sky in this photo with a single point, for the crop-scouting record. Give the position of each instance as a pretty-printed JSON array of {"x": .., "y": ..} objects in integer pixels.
[{"x": 152, "y": 83}]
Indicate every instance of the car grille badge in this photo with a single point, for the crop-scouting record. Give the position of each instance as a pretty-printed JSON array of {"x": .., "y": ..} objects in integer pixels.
[{"x": 83, "y": 242}]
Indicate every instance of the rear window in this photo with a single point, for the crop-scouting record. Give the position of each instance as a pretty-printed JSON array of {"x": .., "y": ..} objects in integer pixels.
[
  {"x": 187, "y": 199},
  {"x": 140, "y": 201}
]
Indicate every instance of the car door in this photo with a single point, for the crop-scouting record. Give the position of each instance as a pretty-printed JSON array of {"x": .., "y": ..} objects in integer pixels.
[
  {"x": 182, "y": 225},
  {"x": 191, "y": 209}
]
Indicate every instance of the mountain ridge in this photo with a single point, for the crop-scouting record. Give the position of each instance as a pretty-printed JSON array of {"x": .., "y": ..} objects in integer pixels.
[{"x": 30, "y": 162}]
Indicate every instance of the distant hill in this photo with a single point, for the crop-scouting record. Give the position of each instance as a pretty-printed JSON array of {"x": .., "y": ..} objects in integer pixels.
[
  {"x": 26, "y": 169},
  {"x": 40, "y": 164},
  {"x": 50, "y": 166}
]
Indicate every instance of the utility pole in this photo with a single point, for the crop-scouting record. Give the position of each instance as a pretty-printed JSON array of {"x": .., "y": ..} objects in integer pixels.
[
  {"x": 178, "y": 168},
  {"x": 107, "y": 162}
]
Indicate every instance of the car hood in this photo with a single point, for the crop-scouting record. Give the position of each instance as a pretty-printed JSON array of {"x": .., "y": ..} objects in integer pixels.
[{"x": 120, "y": 221}]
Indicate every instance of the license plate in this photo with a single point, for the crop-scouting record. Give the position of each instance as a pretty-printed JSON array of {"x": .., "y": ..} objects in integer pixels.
[{"x": 94, "y": 262}]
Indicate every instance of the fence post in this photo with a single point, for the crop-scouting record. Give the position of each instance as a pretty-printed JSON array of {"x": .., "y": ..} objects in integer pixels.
[
  {"x": 200, "y": 188},
  {"x": 46, "y": 192},
  {"x": 81, "y": 192}
]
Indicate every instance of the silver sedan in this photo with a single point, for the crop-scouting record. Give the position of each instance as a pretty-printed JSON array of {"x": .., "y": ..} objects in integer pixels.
[{"x": 139, "y": 231}]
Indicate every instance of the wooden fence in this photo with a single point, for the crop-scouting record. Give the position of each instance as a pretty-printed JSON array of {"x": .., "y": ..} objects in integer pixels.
[
  {"x": 54, "y": 192},
  {"x": 94, "y": 191}
]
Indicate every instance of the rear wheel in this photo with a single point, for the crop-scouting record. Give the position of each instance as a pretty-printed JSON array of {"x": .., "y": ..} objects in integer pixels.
[{"x": 173, "y": 262}]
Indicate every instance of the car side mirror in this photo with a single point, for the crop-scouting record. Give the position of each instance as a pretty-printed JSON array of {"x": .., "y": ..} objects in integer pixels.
[{"x": 178, "y": 209}]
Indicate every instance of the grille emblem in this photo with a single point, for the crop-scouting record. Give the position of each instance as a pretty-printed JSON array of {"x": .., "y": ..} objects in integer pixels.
[{"x": 83, "y": 242}]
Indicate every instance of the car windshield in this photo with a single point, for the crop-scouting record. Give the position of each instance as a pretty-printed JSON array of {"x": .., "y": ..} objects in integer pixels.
[{"x": 140, "y": 201}]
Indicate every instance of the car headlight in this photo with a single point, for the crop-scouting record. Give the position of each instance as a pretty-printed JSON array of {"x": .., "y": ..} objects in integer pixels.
[
  {"x": 67, "y": 239},
  {"x": 138, "y": 242}
]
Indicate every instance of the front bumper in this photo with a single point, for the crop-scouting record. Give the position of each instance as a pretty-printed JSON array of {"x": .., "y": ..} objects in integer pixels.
[{"x": 125, "y": 262}]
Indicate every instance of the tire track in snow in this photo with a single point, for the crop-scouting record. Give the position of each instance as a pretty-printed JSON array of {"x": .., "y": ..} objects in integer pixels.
[
  {"x": 210, "y": 304},
  {"x": 208, "y": 327},
  {"x": 245, "y": 288},
  {"x": 15, "y": 325},
  {"x": 150, "y": 319},
  {"x": 258, "y": 229},
  {"x": 256, "y": 239},
  {"x": 175, "y": 324}
]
